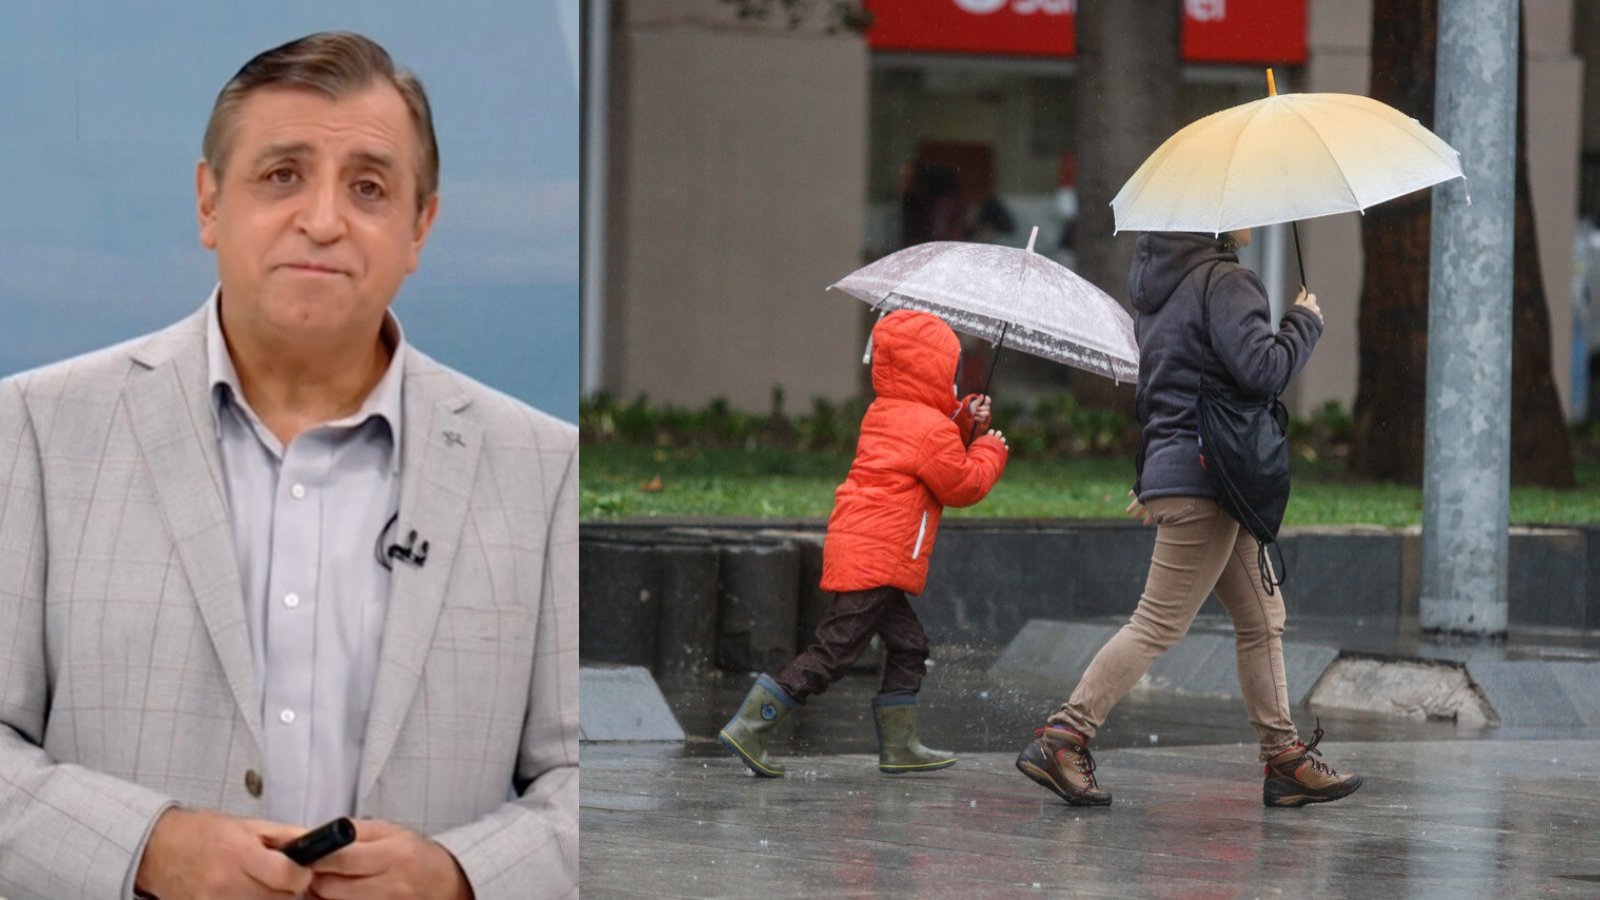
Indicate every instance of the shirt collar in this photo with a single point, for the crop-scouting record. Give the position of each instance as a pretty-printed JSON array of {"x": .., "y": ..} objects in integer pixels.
[{"x": 384, "y": 402}]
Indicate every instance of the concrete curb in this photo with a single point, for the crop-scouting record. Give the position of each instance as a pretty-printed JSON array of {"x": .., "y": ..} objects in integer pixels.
[
  {"x": 1513, "y": 692},
  {"x": 685, "y": 595},
  {"x": 623, "y": 703},
  {"x": 1201, "y": 664},
  {"x": 1540, "y": 692}
]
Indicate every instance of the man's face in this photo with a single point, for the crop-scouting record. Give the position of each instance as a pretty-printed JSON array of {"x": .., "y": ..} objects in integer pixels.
[{"x": 315, "y": 223}]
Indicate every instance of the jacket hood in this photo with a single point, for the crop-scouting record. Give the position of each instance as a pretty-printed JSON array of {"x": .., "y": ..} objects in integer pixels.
[
  {"x": 914, "y": 357},
  {"x": 1162, "y": 259}
]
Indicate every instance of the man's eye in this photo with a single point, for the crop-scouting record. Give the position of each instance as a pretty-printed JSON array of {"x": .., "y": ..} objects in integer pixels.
[
  {"x": 369, "y": 190},
  {"x": 282, "y": 176}
]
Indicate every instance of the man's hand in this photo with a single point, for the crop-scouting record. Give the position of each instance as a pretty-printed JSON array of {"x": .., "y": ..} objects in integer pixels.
[
  {"x": 391, "y": 863},
  {"x": 1137, "y": 511},
  {"x": 201, "y": 854}
]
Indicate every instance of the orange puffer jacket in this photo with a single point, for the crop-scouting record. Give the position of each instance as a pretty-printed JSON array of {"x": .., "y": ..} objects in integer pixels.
[{"x": 911, "y": 461}]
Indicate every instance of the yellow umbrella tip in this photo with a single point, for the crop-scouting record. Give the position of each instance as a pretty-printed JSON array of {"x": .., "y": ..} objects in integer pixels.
[{"x": 1272, "y": 86}]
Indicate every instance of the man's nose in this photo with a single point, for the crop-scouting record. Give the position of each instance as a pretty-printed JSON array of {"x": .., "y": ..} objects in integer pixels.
[{"x": 322, "y": 214}]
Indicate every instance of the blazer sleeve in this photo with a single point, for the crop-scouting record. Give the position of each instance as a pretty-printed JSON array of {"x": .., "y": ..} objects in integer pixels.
[
  {"x": 66, "y": 831},
  {"x": 531, "y": 843},
  {"x": 958, "y": 475},
  {"x": 1260, "y": 360}
]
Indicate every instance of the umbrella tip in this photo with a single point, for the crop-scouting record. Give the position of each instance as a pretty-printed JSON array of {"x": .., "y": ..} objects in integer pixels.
[
  {"x": 1272, "y": 86},
  {"x": 1033, "y": 237}
]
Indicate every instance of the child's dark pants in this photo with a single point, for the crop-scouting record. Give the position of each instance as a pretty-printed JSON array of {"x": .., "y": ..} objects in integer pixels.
[{"x": 853, "y": 618}]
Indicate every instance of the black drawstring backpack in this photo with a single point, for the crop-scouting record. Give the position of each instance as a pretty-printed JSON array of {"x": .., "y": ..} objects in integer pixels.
[{"x": 1244, "y": 449}]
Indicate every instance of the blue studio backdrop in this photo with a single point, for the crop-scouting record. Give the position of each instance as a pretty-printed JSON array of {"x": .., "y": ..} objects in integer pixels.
[{"x": 101, "y": 118}]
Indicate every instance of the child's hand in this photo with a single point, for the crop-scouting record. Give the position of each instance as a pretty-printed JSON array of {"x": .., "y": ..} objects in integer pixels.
[
  {"x": 980, "y": 410},
  {"x": 999, "y": 437},
  {"x": 1137, "y": 511}
]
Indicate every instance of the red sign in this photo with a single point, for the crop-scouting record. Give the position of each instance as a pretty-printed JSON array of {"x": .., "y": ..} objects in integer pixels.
[{"x": 1235, "y": 31}]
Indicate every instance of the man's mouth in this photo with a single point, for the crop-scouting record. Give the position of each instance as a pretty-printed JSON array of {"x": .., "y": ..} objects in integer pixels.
[{"x": 310, "y": 268}]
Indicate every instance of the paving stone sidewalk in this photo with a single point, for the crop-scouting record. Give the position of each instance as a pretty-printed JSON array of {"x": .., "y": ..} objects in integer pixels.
[
  {"x": 1462, "y": 818},
  {"x": 1447, "y": 810}
]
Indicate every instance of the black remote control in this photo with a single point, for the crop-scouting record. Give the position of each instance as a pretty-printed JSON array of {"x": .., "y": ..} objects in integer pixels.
[{"x": 319, "y": 842}]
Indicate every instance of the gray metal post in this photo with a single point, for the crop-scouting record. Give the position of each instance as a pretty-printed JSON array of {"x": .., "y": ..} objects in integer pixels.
[
  {"x": 1467, "y": 452},
  {"x": 596, "y": 86}
]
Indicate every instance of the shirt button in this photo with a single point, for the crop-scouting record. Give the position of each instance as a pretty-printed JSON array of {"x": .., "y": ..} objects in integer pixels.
[
  {"x": 298, "y": 492},
  {"x": 252, "y": 783},
  {"x": 286, "y": 717},
  {"x": 291, "y": 601}
]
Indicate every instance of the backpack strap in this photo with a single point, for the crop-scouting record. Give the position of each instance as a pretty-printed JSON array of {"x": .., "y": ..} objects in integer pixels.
[
  {"x": 1205, "y": 323},
  {"x": 1263, "y": 556}
]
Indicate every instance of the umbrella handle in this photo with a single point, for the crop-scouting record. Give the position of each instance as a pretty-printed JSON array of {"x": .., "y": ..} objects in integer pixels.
[
  {"x": 1299, "y": 260},
  {"x": 1272, "y": 91},
  {"x": 993, "y": 361}
]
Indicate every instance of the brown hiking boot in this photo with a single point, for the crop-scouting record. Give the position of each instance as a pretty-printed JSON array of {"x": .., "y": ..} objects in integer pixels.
[
  {"x": 1296, "y": 777},
  {"x": 1059, "y": 759}
]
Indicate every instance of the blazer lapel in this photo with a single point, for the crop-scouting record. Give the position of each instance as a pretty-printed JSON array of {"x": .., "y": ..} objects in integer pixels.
[
  {"x": 168, "y": 401},
  {"x": 439, "y": 464}
]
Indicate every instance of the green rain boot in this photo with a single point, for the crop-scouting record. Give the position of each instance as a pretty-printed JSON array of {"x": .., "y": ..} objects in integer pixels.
[
  {"x": 747, "y": 732},
  {"x": 899, "y": 751}
]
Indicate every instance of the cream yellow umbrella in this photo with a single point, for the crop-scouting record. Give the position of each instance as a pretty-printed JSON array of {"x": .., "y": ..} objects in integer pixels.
[{"x": 1282, "y": 158}]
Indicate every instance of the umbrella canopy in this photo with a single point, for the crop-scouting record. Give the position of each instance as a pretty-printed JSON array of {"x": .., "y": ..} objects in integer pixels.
[
  {"x": 1028, "y": 301},
  {"x": 1282, "y": 158}
]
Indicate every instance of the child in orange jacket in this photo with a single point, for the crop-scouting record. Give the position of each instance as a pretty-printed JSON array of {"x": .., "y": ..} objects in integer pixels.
[{"x": 912, "y": 460}]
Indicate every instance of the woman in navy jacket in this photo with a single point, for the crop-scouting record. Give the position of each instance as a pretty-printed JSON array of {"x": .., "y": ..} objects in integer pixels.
[{"x": 1199, "y": 547}]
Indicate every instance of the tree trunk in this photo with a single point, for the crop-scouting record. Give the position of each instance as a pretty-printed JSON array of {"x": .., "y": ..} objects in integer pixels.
[
  {"x": 1392, "y": 324},
  {"x": 1389, "y": 409},
  {"x": 1128, "y": 77}
]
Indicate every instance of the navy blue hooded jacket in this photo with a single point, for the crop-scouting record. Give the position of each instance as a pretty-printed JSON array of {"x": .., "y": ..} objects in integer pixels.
[{"x": 1248, "y": 356}]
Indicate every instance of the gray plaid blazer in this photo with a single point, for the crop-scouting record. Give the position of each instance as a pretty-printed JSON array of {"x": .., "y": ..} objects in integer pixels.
[{"x": 125, "y": 674}]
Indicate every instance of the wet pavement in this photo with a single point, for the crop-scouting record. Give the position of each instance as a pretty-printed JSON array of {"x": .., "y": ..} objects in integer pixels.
[
  {"x": 1446, "y": 810},
  {"x": 1434, "y": 819}
]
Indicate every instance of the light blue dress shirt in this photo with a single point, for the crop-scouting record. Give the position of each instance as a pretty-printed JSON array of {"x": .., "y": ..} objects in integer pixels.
[{"x": 307, "y": 526}]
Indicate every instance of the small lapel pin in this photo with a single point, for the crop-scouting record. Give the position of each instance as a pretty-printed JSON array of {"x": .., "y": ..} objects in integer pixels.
[{"x": 454, "y": 439}]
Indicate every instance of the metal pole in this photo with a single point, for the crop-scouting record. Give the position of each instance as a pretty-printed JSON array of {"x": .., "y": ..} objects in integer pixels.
[
  {"x": 1467, "y": 448},
  {"x": 592, "y": 269},
  {"x": 1274, "y": 270}
]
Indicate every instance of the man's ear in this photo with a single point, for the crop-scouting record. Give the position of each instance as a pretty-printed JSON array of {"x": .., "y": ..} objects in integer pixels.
[
  {"x": 205, "y": 192},
  {"x": 419, "y": 231}
]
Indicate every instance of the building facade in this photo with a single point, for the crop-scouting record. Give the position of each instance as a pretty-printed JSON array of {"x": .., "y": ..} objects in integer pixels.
[{"x": 754, "y": 153}]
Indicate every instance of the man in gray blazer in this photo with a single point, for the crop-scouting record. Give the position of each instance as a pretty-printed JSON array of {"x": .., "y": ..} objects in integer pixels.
[{"x": 272, "y": 565}]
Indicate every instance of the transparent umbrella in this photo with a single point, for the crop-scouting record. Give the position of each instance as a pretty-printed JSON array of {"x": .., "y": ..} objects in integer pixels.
[{"x": 1008, "y": 296}]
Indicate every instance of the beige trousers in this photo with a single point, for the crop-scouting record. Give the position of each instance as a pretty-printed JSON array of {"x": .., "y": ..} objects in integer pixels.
[{"x": 1199, "y": 548}]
